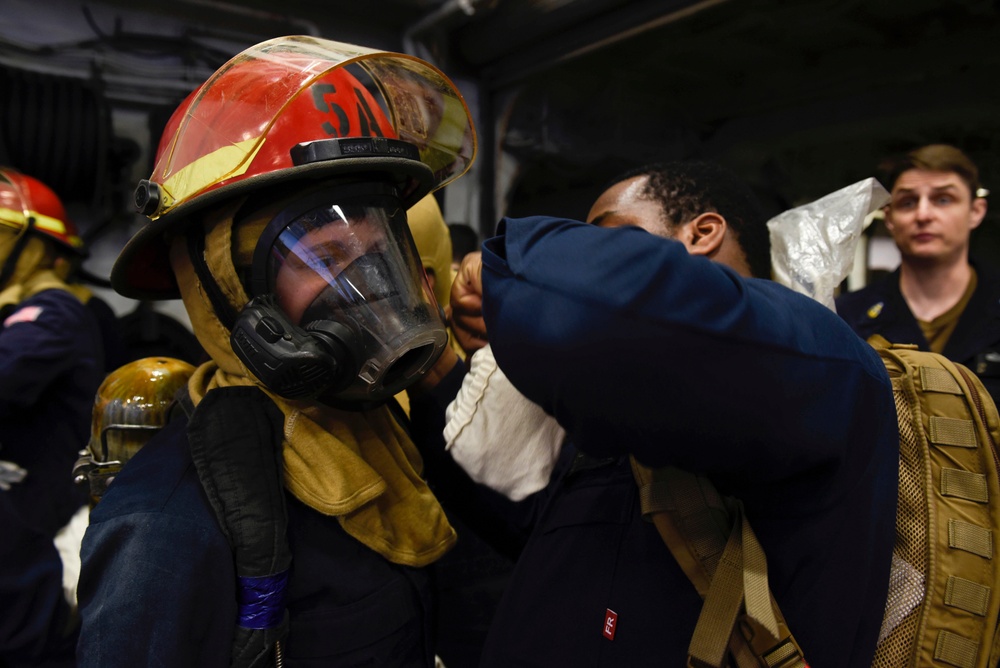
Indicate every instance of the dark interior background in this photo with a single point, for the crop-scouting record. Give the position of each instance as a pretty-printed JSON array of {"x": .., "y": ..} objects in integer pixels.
[{"x": 800, "y": 97}]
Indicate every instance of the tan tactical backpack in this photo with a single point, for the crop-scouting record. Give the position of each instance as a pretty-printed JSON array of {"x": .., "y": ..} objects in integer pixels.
[{"x": 940, "y": 609}]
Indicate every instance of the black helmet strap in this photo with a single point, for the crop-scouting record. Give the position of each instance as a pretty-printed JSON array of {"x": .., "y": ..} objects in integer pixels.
[
  {"x": 223, "y": 309},
  {"x": 11, "y": 262}
]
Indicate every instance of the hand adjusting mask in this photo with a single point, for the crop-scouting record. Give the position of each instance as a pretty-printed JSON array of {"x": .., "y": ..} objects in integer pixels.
[{"x": 340, "y": 310}]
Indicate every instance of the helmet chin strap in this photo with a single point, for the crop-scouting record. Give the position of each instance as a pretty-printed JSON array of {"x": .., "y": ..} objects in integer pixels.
[
  {"x": 10, "y": 264},
  {"x": 223, "y": 309}
]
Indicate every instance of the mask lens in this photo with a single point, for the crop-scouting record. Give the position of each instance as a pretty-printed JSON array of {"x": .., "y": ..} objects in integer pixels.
[
  {"x": 354, "y": 263},
  {"x": 347, "y": 257}
]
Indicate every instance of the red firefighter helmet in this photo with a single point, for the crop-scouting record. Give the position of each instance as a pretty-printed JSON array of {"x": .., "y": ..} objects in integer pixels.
[
  {"x": 295, "y": 108},
  {"x": 23, "y": 197}
]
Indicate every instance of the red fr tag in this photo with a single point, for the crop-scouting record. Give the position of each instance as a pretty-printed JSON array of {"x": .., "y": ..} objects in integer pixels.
[{"x": 610, "y": 623}]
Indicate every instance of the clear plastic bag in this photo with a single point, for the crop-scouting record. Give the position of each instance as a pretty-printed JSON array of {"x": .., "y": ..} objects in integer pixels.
[{"x": 813, "y": 245}]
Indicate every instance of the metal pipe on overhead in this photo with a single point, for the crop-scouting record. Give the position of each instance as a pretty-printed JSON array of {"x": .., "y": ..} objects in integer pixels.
[
  {"x": 116, "y": 87},
  {"x": 264, "y": 16},
  {"x": 445, "y": 11},
  {"x": 666, "y": 19},
  {"x": 593, "y": 35}
]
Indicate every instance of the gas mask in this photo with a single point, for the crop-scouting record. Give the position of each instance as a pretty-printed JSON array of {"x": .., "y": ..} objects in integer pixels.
[{"x": 340, "y": 309}]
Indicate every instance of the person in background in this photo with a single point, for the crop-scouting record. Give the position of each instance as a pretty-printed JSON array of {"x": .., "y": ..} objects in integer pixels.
[
  {"x": 51, "y": 363},
  {"x": 69, "y": 267},
  {"x": 940, "y": 298},
  {"x": 132, "y": 404},
  {"x": 282, "y": 516},
  {"x": 650, "y": 333}
]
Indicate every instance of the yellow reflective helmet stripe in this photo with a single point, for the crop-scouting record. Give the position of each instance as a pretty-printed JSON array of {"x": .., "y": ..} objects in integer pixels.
[
  {"x": 232, "y": 160},
  {"x": 15, "y": 219}
]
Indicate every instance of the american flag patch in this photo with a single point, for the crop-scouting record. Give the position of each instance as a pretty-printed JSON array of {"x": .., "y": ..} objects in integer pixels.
[{"x": 26, "y": 314}]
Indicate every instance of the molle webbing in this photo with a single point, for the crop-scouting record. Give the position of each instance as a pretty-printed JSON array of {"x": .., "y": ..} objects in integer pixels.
[
  {"x": 948, "y": 516},
  {"x": 940, "y": 610}
]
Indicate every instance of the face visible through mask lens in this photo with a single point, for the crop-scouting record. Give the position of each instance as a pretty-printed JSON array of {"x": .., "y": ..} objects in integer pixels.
[
  {"x": 313, "y": 251},
  {"x": 353, "y": 263}
]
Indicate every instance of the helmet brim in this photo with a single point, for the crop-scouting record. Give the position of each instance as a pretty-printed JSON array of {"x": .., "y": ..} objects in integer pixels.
[{"x": 142, "y": 270}]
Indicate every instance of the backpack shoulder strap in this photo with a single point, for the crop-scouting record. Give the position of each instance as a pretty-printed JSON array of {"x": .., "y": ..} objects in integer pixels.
[
  {"x": 235, "y": 435},
  {"x": 714, "y": 544}
]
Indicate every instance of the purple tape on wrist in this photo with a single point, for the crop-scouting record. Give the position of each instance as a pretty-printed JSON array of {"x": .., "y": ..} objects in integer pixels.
[{"x": 261, "y": 600}]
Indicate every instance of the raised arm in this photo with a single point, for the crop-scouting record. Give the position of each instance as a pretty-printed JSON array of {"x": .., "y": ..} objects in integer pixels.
[{"x": 637, "y": 347}]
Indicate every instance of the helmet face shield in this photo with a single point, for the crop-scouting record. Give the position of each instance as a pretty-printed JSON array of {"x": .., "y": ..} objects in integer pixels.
[
  {"x": 246, "y": 118},
  {"x": 349, "y": 259},
  {"x": 15, "y": 209}
]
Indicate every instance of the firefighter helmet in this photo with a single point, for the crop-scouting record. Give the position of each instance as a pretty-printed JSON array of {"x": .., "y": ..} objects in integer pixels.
[
  {"x": 131, "y": 405},
  {"x": 290, "y": 109},
  {"x": 25, "y": 199}
]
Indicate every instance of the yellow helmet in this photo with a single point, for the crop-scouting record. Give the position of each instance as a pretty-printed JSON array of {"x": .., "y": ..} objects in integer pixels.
[{"x": 131, "y": 405}]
